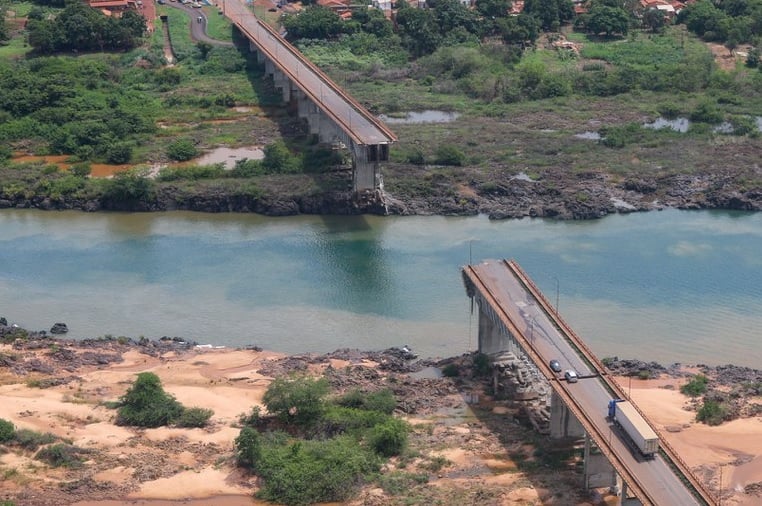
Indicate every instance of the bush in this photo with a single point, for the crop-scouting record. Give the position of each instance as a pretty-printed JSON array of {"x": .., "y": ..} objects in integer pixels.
[
  {"x": 61, "y": 455},
  {"x": 711, "y": 413},
  {"x": 7, "y": 430},
  {"x": 298, "y": 400},
  {"x": 147, "y": 405},
  {"x": 127, "y": 187},
  {"x": 341, "y": 420},
  {"x": 450, "y": 371},
  {"x": 279, "y": 160},
  {"x": 248, "y": 448},
  {"x": 389, "y": 438},
  {"x": 194, "y": 417},
  {"x": 381, "y": 400},
  {"x": 482, "y": 365},
  {"x": 31, "y": 440},
  {"x": 706, "y": 112},
  {"x": 308, "y": 472},
  {"x": 696, "y": 386},
  {"x": 449, "y": 155},
  {"x": 80, "y": 169},
  {"x": 182, "y": 150}
]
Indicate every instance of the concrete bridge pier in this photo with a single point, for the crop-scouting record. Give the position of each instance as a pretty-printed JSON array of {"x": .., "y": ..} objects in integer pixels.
[
  {"x": 563, "y": 423},
  {"x": 599, "y": 472}
]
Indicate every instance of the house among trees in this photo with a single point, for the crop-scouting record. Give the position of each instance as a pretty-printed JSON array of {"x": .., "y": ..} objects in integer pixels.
[{"x": 110, "y": 7}]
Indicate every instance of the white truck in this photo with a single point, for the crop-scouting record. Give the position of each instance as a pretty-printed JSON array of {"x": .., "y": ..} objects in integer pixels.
[{"x": 624, "y": 414}]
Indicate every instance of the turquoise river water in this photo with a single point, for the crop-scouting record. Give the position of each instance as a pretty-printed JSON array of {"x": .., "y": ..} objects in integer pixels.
[{"x": 671, "y": 286}]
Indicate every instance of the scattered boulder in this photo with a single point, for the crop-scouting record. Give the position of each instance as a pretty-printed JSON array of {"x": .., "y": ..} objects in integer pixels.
[{"x": 59, "y": 328}]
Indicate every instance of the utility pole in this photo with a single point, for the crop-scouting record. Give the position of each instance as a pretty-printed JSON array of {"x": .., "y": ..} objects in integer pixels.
[{"x": 557, "y": 293}]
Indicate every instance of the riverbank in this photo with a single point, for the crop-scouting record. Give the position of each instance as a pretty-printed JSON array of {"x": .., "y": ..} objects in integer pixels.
[
  {"x": 468, "y": 445},
  {"x": 451, "y": 191}
]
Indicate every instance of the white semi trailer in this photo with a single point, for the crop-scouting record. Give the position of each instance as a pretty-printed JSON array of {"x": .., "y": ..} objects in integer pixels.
[{"x": 625, "y": 415}]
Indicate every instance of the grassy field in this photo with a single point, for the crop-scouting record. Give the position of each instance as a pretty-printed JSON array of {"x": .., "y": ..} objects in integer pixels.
[{"x": 221, "y": 97}]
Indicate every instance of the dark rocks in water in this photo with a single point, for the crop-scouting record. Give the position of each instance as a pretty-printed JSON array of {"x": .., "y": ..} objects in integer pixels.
[
  {"x": 3, "y": 321},
  {"x": 59, "y": 328}
]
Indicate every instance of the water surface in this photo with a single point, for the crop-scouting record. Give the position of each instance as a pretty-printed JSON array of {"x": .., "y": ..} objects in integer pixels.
[{"x": 667, "y": 286}]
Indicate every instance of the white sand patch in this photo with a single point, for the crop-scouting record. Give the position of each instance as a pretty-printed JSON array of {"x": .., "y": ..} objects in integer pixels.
[{"x": 206, "y": 483}]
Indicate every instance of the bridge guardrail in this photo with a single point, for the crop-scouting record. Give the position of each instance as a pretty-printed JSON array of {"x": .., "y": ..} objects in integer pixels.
[
  {"x": 241, "y": 11},
  {"x": 672, "y": 454},
  {"x": 560, "y": 388}
]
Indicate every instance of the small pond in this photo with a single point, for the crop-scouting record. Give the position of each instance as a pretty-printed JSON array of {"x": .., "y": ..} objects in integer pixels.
[
  {"x": 228, "y": 156},
  {"x": 592, "y": 136},
  {"x": 420, "y": 117},
  {"x": 677, "y": 124}
]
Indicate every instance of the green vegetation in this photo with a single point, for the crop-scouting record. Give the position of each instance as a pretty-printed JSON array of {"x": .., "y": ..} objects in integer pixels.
[
  {"x": 712, "y": 412},
  {"x": 61, "y": 455},
  {"x": 31, "y": 440},
  {"x": 146, "y": 404},
  {"x": 316, "y": 449},
  {"x": 7, "y": 430},
  {"x": 696, "y": 387}
]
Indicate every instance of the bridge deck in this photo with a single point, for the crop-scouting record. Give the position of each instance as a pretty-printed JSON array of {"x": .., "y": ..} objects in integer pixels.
[
  {"x": 361, "y": 126},
  {"x": 544, "y": 336}
]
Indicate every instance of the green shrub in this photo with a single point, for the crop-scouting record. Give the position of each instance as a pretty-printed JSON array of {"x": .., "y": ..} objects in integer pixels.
[
  {"x": 339, "y": 420},
  {"x": 400, "y": 482},
  {"x": 298, "y": 400},
  {"x": 182, "y": 150},
  {"x": 380, "y": 400},
  {"x": 248, "y": 448},
  {"x": 7, "y": 430},
  {"x": 31, "y": 440},
  {"x": 308, "y": 472},
  {"x": 146, "y": 404},
  {"x": 706, "y": 112},
  {"x": 482, "y": 365},
  {"x": 80, "y": 169},
  {"x": 449, "y": 155},
  {"x": 711, "y": 413},
  {"x": 451, "y": 371},
  {"x": 279, "y": 160},
  {"x": 61, "y": 455},
  {"x": 389, "y": 438},
  {"x": 194, "y": 417},
  {"x": 696, "y": 386},
  {"x": 127, "y": 187}
]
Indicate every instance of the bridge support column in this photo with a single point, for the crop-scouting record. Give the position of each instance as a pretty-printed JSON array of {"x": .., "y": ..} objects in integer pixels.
[
  {"x": 563, "y": 423},
  {"x": 491, "y": 337},
  {"x": 628, "y": 501},
  {"x": 598, "y": 472},
  {"x": 364, "y": 169}
]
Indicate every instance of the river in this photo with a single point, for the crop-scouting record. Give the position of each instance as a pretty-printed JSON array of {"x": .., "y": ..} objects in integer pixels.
[{"x": 670, "y": 286}]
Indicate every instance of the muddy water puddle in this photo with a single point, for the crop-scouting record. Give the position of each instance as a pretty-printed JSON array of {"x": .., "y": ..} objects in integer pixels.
[
  {"x": 228, "y": 156},
  {"x": 420, "y": 117}
]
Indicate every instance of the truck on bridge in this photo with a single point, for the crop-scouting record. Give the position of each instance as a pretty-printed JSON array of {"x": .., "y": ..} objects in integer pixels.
[{"x": 639, "y": 433}]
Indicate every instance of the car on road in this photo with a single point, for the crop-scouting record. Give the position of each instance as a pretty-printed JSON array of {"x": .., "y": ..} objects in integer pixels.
[
  {"x": 555, "y": 365},
  {"x": 571, "y": 376}
]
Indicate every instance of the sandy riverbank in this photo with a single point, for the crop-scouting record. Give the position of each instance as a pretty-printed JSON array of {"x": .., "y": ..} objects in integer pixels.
[{"x": 158, "y": 467}]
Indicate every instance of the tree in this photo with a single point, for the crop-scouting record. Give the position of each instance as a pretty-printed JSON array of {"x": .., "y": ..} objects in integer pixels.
[
  {"x": 146, "y": 404},
  {"x": 182, "y": 150},
  {"x": 493, "y": 8},
  {"x": 4, "y": 33},
  {"x": 314, "y": 22},
  {"x": 654, "y": 20},
  {"x": 550, "y": 13},
  {"x": 608, "y": 20},
  {"x": 519, "y": 30},
  {"x": 299, "y": 400},
  {"x": 418, "y": 30},
  {"x": 7, "y": 430},
  {"x": 704, "y": 18}
]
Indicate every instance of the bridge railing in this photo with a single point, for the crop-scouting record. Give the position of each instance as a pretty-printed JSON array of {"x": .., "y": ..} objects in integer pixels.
[
  {"x": 600, "y": 439},
  {"x": 670, "y": 451},
  {"x": 242, "y": 12}
]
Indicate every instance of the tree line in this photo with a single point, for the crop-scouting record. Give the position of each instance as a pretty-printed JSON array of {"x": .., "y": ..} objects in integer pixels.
[{"x": 80, "y": 28}]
